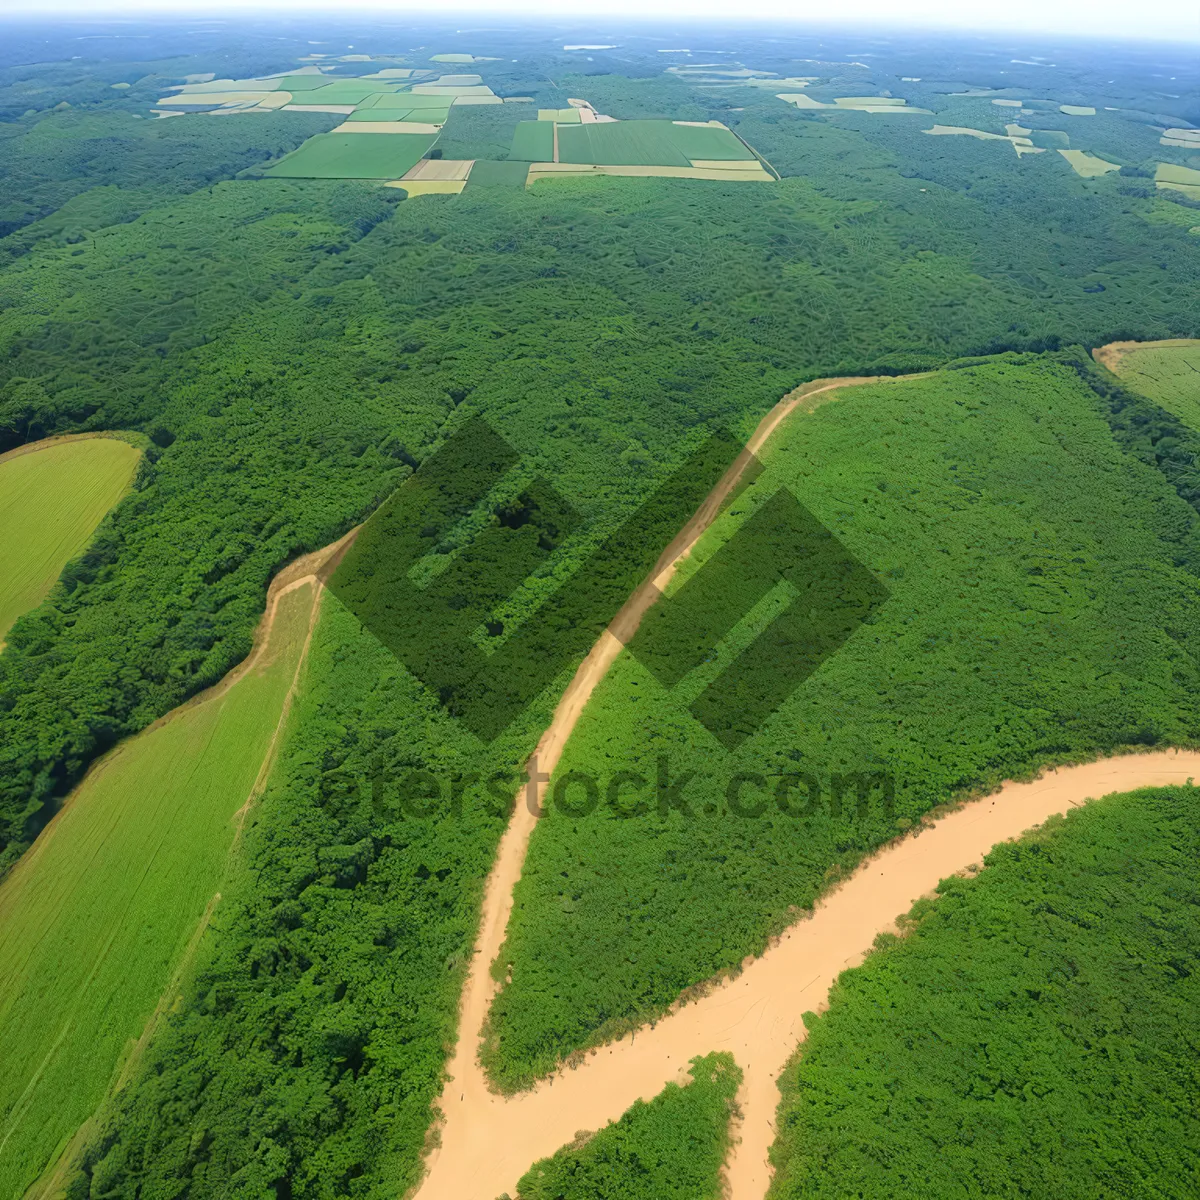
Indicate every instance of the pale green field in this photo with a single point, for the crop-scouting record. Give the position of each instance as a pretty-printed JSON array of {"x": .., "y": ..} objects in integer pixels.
[
  {"x": 1169, "y": 375},
  {"x": 96, "y": 918},
  {"x": 51, "y": 501}
]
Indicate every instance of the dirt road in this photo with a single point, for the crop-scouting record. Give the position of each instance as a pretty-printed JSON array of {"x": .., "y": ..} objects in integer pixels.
[
  {"x": 488, "y": 1141},
  {"x": 1110, "y": 356}
]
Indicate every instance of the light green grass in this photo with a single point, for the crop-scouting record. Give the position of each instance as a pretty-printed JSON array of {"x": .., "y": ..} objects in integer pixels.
[
  {"x": 647, "y": 144},
  {"x": 405, "y": 100},
  {"x": 486, "y": 173},
  {"x": 353, "y": 156},
  {"x": 51, "y": 501},
  {"x": 349, "y": 91},
  {"x": 533, "y": 141},
  {"x": 95, "y": 919},
  {"x": 1169, "y": 375}
]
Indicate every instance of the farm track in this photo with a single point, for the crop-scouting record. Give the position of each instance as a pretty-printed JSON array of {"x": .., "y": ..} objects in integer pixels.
[
  {"x": 465, "y": 1074},
  {"x": 483, "y": 1142}
]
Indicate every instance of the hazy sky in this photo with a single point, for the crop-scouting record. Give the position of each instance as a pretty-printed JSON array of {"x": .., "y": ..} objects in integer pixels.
[{"x": 1162, "y": 19}]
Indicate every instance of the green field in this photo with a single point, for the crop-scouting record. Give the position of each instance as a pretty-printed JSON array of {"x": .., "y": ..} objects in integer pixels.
[
  {"x": 1036, "y": 612},
  {"x": 344, "y": 92},
  {"x": 646, "y": 144},
  {"x": 533, "y": 141},
  {"x": 405, "y": 100},
  {"x": 94, "y": 921},
  {"x": 669, "y": 1149},
  {"x": 487, "y": 174},
  {"x": 1169, "y": 375},
  {"x": 50, "y": 504},
  {"x": 1032, "y": 1035},
  {"x": 353, "y": 156}
]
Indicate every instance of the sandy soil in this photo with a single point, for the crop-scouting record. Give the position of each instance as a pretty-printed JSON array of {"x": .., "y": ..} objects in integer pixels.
[
  {"x": 430, "y": 169},
  {"x": 429, "y": 187},
  {"x": 56, "y": 440},
  {"x": 1088, "y": 165},
  {"x": 387, "y": 127},
  {"x": 1110, "y": 356}
]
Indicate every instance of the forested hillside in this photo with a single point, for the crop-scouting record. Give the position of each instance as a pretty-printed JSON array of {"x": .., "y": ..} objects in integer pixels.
[
  {"x": 1039, "y": 604},
  {"x": 1032, "y": 1033},
  {"x": 197, "y": 323}
]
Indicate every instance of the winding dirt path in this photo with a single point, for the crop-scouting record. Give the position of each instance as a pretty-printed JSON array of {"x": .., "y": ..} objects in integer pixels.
[
  {"x": 466, "y": 1076},
  {"x": 488, "y": 1141},
  {"x": 309, "y": 571},
  {"x": 485, "y": 1141}
]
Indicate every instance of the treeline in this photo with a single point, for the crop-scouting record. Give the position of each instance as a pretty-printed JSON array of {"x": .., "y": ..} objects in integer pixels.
[
  {"x": 294, "y": 350},
  {"x": 1031, "y": 1034}
]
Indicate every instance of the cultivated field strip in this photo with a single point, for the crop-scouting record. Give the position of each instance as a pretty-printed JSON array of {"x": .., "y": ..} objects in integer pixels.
[{"x": 96, "y": 919}]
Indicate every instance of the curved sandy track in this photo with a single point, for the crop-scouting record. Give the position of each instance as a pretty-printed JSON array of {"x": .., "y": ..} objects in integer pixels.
[
  {"x": 464, "y": 1069},
  {"x": 61, "y": 439},
  {"x": 311, "y": 570},
  {"x": 485, "y": 1141},
  {"x": 488, "y": 1141}
]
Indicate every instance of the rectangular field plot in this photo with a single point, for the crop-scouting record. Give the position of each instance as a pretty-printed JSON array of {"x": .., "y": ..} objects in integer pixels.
[
  {"x": 386, "y": 114},
  {"x": 353, "y": 156},
  {"x": 406, "y": 100},
  {"x": 621, "y": 143},
  {"x": 710, "y": 142},
  {"x": 533, "y": 141},
  {"x": 648, "y": 144},
  {"x": 487, "y": 173}
]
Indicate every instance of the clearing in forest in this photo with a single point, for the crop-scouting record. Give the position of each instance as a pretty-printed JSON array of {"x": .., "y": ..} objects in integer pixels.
[
  {"x": 1088, "y": 165},
  {"x": 1180, "y": 179},
  {"x": 1167, "y": 372},
  {"x": 52, "y": 497},
  {"x": 97, "y": 917},
  {"x": 353, "y": 156},
  {"x": 993, "y": 532}
]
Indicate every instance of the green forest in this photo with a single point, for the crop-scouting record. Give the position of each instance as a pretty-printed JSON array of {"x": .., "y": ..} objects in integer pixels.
[
  {"x": 1041, "y": 607},
  {"x": 669, "y": 1149},
  {"x": 294, "y": 350},
  {"x": 1031, "y": 1033}
]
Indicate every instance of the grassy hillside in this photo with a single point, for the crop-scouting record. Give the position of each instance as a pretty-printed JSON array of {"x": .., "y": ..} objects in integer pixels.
[
  {"x": 1032, "y": 1034},
  {"x": 669, "y": 1149},
  {"x": 1041, "y": 606},
  {"x": 94, "y": 922},
  {"x": 51, "y": 501}
]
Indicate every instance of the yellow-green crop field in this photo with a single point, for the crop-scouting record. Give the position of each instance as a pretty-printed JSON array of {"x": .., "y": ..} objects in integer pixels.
[
  {"x": 95, "y": 920},
  {"x": 1169, "y": 375},
  {"x": 51, "y": 501}
]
